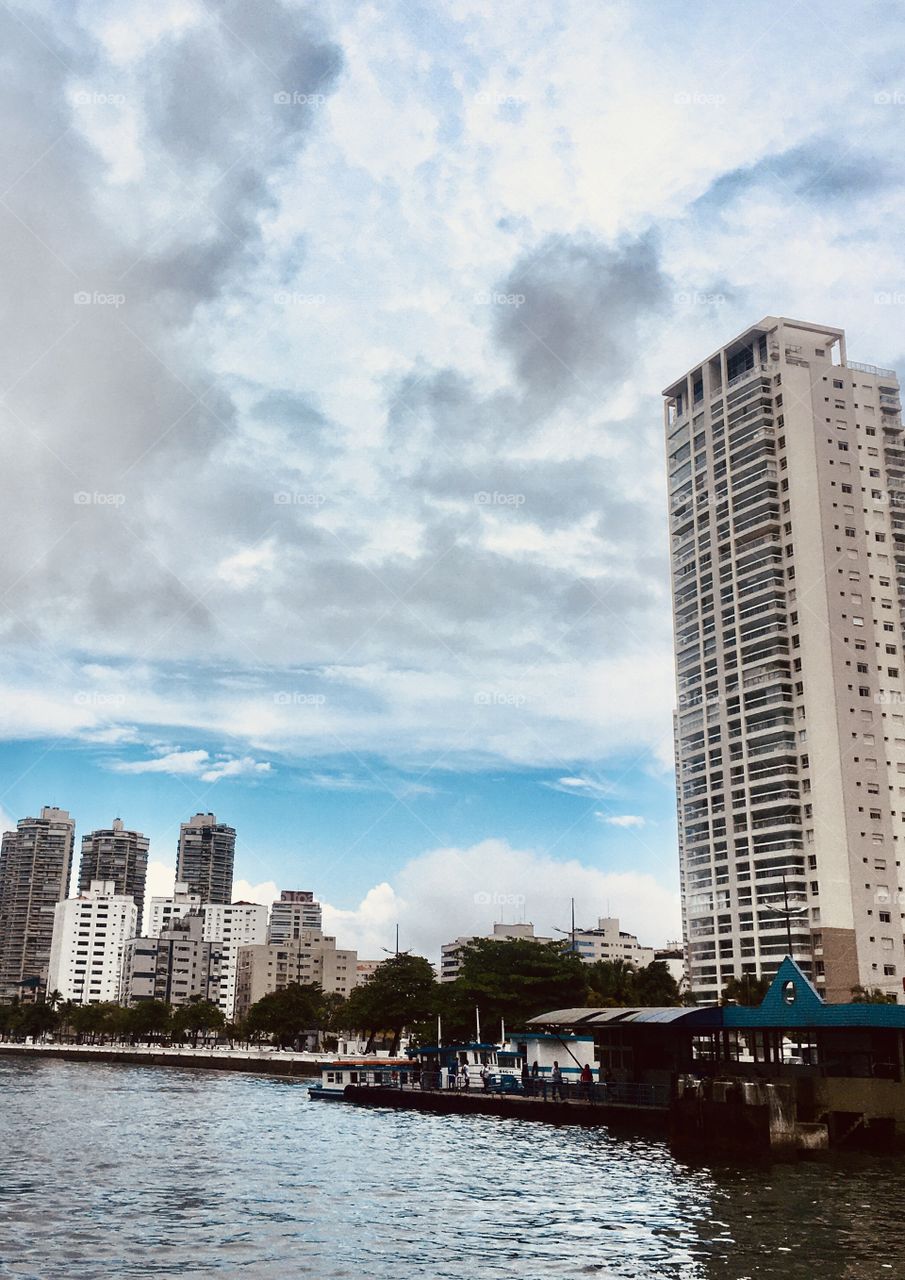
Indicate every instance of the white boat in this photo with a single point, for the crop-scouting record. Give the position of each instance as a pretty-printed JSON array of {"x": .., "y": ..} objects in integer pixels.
[{"x": 342, "y": 1074}]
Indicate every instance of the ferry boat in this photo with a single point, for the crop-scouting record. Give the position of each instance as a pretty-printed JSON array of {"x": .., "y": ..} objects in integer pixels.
[
  {"x": 467, "y": 1064},
  {"x": 361, "y": 1073}
]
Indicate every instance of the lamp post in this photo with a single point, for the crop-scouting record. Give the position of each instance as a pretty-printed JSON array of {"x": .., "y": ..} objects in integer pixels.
[
  {"x": 568, "y": 932},
  {"x": 786, "y": 912}
]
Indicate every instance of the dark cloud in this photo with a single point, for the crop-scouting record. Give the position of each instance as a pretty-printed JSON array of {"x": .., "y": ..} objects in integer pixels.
[
  {"x": 578, "y": 309},
  {"x": 817, "y": 171}
]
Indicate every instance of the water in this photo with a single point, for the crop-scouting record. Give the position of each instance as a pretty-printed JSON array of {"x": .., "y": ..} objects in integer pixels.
[{"x": 120, "y": 1171}]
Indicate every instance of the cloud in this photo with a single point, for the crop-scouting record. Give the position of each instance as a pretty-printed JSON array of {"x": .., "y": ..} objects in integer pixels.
[
  {"x": 452, "y": 892},
  {"x": 266, "y": 892},
  {"x": 622, "y": 819},
  {"x": 581, "y": 786},
  {"x": 194, "y": 764}
]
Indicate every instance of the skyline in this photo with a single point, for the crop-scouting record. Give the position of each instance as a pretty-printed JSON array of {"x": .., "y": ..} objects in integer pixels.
[{"x": 356, "y": 532}]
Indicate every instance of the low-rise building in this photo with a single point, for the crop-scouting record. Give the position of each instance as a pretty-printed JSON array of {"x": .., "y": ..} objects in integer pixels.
[
  {"x": 90, "y": 935},
  {"x": 310, "y": 958},
  {"x": 176, "y": 966},
  {"x": 609, "y": 942},
  {"x": 673, "y": 956},
  {"x": 232, "y": 925},
  {"x": 451, "y": 952}
]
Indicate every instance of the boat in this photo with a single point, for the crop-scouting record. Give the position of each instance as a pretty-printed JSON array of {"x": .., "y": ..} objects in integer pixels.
[
  {"x": 343, "y": 1074},
  {"x": 469, "y": 1065}
]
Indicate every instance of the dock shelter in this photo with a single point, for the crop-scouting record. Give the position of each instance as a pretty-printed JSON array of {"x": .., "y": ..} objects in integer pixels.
[{"x": 792, "y": 1033}]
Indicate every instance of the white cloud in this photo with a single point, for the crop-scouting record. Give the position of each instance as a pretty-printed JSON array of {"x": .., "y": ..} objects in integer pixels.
[
  {"x": 266, "y": 892},
  {"x": 452, "y": 892},
  {"x": 194, "y": 764},
  {"x": 581, "y": 786},
  {"x": 622, "y": 819}
]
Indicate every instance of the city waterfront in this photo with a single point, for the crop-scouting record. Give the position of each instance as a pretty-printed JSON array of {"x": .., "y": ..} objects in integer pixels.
[{"x": 112, "y": 1170}]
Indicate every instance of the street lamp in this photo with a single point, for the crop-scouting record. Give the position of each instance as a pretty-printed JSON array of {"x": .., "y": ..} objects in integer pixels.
[
  {"x": 568, "y": 932},
  {"x": 786, "y": 912}
]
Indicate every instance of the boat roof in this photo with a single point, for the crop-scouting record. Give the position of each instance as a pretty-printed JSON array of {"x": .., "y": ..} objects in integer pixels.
[{"x": 338, "y": 1063}]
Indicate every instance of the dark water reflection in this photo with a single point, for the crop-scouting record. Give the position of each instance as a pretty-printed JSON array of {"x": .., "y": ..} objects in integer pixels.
[{"x": 110, "y": 1171}]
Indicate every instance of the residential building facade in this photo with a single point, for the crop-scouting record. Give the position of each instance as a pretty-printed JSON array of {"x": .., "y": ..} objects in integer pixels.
[
  {"x": 310, "y": 958},
  {"x": 35, "y": 869},
  {"x": 165, "y": 910},
  {"x": 787, "y": 523},
  {"x": 204, "y": 861},
  {"x": 296, "y": 911},
  {"x": 609, "y": 942},
  {"x": 90, "y": 934},
  {"x": 177, "y": 966},
  {"x": 116, "y": 854},
  {"x": 451, "y": 952},
  {"x": 231, "y": 926}
]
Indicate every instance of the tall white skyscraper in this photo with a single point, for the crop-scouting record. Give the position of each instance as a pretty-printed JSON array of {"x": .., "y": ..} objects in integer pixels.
[
  {"x": 787, "y": 524},
  {"x": 90, "y": 933},
  {"x": 165, "y": 910}
]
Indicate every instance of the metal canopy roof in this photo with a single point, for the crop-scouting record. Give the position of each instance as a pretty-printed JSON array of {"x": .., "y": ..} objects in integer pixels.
[{"x": 791, "y": 1002}]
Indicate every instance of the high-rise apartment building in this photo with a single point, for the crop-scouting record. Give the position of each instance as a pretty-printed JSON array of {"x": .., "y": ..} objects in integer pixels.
[
  {"x": 118, "y": 855},
  {"x": 164, "y": 910},
  {"x": 296, "y": 910},
  {"x": 178, "y": 966},
  {"x": 787, "y": 525},
  {"x": 232, "y": 925},
  {"x": 35, "y": 867},
  {"x": 90, "y": 933},
  {"x": 205, "y": 859}
]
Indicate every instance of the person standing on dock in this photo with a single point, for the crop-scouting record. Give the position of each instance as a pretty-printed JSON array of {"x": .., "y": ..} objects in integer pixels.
[
  {"x": 526, "y": 1079},
  {"x": 538, "y": 1081},
  {"x": 555, "y": 1083},
  {"x": 587, "y": 1079}
]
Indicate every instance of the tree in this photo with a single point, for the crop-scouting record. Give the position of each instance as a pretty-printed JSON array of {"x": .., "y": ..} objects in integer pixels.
[
  {"x": 746, "y": 990},
  {"x": 196, "y": 1016},
  {"x": 871, "y": 995},
  {"x": 654, "y": 986},
  {"x": 148, "y": 1020},
  {"x": 285, "y": 1014},
  {"x": 611, "y": 984},
  {"x": 401, "y": 991},
  {"x": 512, "y": 979}
]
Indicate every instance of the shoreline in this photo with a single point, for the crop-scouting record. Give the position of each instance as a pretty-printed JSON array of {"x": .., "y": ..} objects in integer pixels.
[{"x": 253, "y": 1061}]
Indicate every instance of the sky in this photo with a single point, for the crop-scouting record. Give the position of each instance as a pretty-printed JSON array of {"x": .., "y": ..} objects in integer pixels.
[{"x": 333, "y": 479}]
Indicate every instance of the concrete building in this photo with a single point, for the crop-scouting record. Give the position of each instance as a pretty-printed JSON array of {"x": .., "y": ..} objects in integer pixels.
[
  {"x": 673, "y": 956},
  {"x": 311, "y": 958},
  {"x": 365, "y": 968},
  {"x": 90, "y": 933},
  {"x": 118, "y": 855},
  {"x": 451, "y": 952},
  {"x": 176, "y": 966},
  {"x": 205, "y": 858},
  {"x": 164, "y": 911},
  {"x": 787, "y": 522},
  {"x": 35, "y": 867},
  {"x": 232, "y": 925},
  {"x": 609, "y": 942},
  {"x": 295, "y": 911}
]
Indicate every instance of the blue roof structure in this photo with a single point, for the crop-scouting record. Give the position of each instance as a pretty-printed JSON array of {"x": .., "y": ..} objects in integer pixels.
[{"x": 791, "y": 1002}]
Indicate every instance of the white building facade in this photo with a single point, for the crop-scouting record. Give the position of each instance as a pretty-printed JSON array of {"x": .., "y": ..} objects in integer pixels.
[
  {"x": 90, "y": 934},
  {"x": 164, "y": 911},
  {"x": 787, "y": 522},
  {"x": 609, "y": 942},
  {"x": 232, "y": 925}
]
